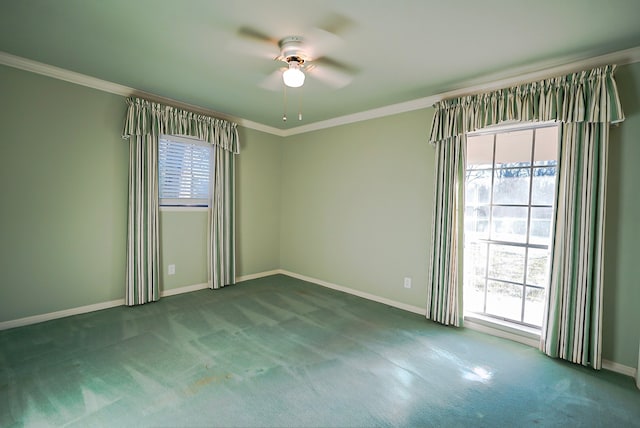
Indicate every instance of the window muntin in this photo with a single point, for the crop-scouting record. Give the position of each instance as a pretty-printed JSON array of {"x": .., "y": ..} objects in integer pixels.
[
  {"x": 509, "y": 204},
  {"x": 184, "y": 171}
]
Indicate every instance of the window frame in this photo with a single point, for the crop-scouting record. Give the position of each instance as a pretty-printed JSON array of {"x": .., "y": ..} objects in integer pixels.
[{"x": 528, "y": 244}]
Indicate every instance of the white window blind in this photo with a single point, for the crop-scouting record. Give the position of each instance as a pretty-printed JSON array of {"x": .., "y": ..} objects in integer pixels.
[{"x": 184, "y": 166}]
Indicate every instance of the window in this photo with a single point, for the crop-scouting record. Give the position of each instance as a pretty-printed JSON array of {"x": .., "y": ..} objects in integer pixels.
[
  {"x": 184, "y": 171},
  {"x": 510, "y": 187}
]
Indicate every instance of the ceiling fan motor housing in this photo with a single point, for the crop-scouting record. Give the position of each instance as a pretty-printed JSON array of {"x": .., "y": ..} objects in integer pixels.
[{"x": 292, "y": 49}]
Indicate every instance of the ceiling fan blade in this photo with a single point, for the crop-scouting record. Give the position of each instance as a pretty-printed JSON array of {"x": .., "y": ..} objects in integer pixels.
[
  {"x": 335, "y": 23},
  {"x": 327, "y": 35},
  {"x": 340, "y": 66},
  {"x": 245, "y": 49},
  {"x": 273, "y": 82},
  {"x": 319, "y": 42},
  {"x": 253, "y": 34},
  {"x": 333, "y": 77}
]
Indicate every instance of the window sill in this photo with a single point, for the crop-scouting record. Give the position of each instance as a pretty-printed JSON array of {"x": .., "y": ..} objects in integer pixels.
[
  {"x": 516, "y": 332},
  {"x": 183, "y": 209}
]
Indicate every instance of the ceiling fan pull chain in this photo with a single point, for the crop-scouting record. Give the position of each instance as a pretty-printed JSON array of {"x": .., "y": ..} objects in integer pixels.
[
  {"x": 284, "y": 102},
  {"x": 300, "y": 105}
]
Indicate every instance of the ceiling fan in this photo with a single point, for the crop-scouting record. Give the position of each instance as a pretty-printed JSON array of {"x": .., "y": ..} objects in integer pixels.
[{"x": 303, "y": 55}]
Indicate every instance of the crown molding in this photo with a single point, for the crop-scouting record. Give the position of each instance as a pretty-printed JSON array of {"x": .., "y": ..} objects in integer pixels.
[
  {"x": 568, "y": 64},
  {"x": 117, "y": 89},
  {"x": 487, "y": 83},
  {"x": 364, "y": 115}
]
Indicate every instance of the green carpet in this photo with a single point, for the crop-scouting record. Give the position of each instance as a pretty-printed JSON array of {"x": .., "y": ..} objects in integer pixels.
[{"x": 278, "y": 351}]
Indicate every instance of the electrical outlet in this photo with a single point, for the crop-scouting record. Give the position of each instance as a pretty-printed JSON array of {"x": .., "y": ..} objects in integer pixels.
[
  {"x": 407, "y": 282},
  {"x": 172, "y": 269}
]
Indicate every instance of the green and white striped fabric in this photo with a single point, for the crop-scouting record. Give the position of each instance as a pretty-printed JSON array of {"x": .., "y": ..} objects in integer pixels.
[
  {"x": 142, "y": 224},
  {"x": 222, "y": 267},
  {"x": 144, "y": 123},
  {"x": 573, "y": 326},
  {"x": 586, "y": 103},
  {"x": 587, "y": 96},
  {"x": 442, "y": 293}
]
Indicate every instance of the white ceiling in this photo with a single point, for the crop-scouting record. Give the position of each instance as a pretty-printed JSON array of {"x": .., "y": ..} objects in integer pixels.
[{"x": 404, "y": 50}]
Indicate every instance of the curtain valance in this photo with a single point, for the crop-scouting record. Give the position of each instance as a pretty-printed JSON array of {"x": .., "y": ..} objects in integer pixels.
[
  {"x": 149, "y": 118},
  {"x": 587, "y": 96}
]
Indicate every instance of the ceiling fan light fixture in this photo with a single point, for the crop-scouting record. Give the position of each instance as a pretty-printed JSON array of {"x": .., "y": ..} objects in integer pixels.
[{"x": 293, "y": 77}]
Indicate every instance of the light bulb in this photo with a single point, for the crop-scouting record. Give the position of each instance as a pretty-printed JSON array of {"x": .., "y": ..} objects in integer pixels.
[{"x": 293, "y": 77}]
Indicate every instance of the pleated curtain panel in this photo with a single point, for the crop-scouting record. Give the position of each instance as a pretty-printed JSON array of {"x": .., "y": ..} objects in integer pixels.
[
  {"x": 585, "y": 104},
  {"x": 144, "y": 123}
]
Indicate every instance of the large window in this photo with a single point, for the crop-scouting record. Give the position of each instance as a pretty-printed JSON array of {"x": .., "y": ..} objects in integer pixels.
[
  {"x": 509, "y": 214},
  {"x": 184, "y": 171}
]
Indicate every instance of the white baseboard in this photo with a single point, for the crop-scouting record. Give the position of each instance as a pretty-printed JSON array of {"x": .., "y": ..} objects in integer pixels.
[
  {"x": 185, "y": 289},
  {"x": 20, "y": 322},
  {"x": 368, "y": 296},
  {"x": 4, "y": 325},
  {"x": 619, "y": 368},
  {"x": 258, "y": 275}
]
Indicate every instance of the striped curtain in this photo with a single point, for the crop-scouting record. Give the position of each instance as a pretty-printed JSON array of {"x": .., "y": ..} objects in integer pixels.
[
  {"x": 144, "y": 123},
  {"x": 573, "y": 326},
  {"x": 442, "y": 293},
  {"x": 142, "y": 224},
  {"x": 222, "y": 267},
  {"x": 585, "y": 103}
]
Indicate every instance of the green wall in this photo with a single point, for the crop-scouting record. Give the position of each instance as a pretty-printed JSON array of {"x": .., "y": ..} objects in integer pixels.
[
  {"x": 621, "y": 329},
  {"x": 356, "y": 205},
  {"x": 64, "y": 205},
  {"x": 258, "y": 194},
  {"x": 183, "y": 243}
]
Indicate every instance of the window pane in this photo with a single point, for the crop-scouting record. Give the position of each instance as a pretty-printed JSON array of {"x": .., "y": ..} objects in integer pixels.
[
  {"x": 475, "y": 256},
  {"x": 541, "y": 220},
  {"x": 546, "y": 151},
  {"x": 537, "y": 267},
  {"x": 543, "y": 188},
  {"x": 504, "y": 300},
  {"x": 506, "y": 262},
  {"x": 509, "y": 224},
  {"x": 475, "y": 265},
  {"x": 534, "y": 306},
  {"x": 511, "y": 186},
  {"x": 480, "y": 151},
  {"x": 478, "y": 187},
  {"x": 514, "y": 148},
  {"x": 474, "y": 297},
  {"x": 476, "y": 222}
]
